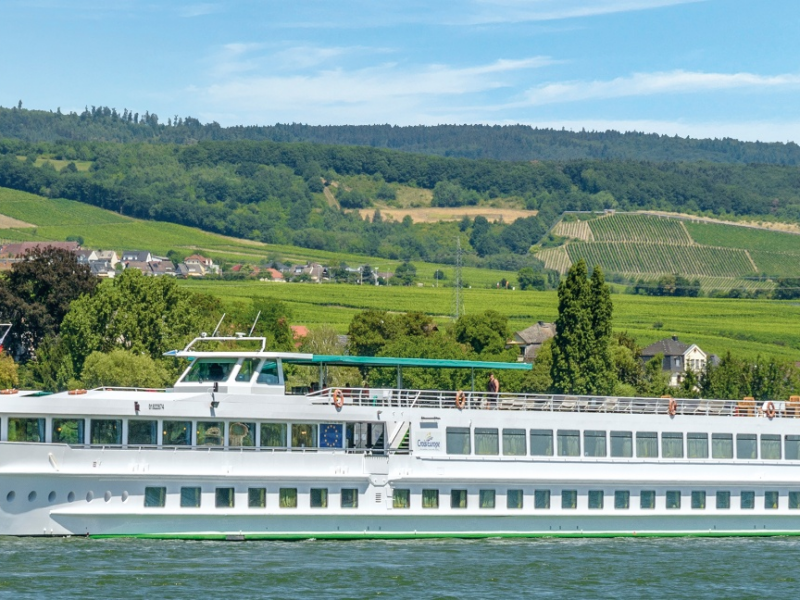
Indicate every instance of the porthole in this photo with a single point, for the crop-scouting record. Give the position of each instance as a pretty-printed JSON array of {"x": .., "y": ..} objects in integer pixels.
[
  {"x": 51, "y": 497},
  {"x": 71, "y": 497},
  {"x": 31, "y": 496},
  {"x": 89, "y": 496},
  {"x": 125, "y": 496},
  {"x": 10, "y": 496},
  {"x": 107, "y": 496}
]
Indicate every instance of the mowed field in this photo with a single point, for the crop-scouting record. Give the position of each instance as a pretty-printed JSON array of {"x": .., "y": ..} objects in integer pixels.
[{"x": 743, "y": 327}]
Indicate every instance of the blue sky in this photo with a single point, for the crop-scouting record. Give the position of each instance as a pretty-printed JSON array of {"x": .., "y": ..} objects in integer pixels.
[{"x": 704, "y": 68}]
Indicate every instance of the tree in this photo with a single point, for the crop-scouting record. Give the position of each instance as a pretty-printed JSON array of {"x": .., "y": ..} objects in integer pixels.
[
  {"x": 123, "y": 368},
  {"x": 787, "y": 288},
  {"x": 9, "y": 377},
  {"x": 600, "y": 368},
  {"x": 531, "y": 280},
  {"x": 486, "y": 334},
  {"x": 370, "y": 331},
  {"x": 52, "y": 368},
  {"x": 404, "y": 274},
  {"x": 36, "y": 296},
  {"x": 273, "y": 324}
]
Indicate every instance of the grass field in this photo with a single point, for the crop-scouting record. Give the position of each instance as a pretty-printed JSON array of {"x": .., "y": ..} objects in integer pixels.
[{"x": 745, "y": 327}]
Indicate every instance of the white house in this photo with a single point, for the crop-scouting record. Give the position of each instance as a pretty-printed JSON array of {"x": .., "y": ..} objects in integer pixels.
[{"x": 678, "y": 358}]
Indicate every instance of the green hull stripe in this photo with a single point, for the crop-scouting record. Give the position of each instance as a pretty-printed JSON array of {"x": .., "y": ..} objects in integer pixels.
[{"x": 412, "y": 536}]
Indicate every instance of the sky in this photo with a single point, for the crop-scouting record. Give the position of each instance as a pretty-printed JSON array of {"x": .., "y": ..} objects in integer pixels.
[{"x": 699, "y": 68}]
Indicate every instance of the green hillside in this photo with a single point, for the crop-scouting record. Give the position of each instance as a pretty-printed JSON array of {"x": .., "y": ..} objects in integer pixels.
[{"x": 647, "y": 246}]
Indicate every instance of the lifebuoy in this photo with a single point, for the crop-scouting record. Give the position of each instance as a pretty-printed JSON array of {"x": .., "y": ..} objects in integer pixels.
[
  {"x": 673, "y": 407},
  {"x": 76, "y": 392},
  {"x": 461, "y": 399},
  {"x": 338, "y": 398},
  {"x": 9, "y": 391},
  {"x": 769, "y": 409}
]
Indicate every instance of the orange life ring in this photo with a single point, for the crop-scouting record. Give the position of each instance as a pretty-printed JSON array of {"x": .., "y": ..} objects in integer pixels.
[
  {"x": 338, "y": 398},
  {"x": 673, "y": 407},
  {"x": 9, "y": 391},
  {"x": 76, "y": 392},
  {"x": 769, "y": 409},
  {"x": 461, "y": 399}
]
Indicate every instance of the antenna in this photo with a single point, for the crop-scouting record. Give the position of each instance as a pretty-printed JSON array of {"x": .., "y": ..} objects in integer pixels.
[
  {"x": 254, "y": 325},
  {"x": 218, "y": 324},
  {"x": 458, "y": 284}
]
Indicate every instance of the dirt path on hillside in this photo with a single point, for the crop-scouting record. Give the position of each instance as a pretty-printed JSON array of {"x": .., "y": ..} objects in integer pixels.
[
  {"x": 435, "y": 214},
  {"x": 9, "y": 222}
]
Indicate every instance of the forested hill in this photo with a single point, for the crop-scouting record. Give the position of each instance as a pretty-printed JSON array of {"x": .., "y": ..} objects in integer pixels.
[{"x": 510, "y": 142}]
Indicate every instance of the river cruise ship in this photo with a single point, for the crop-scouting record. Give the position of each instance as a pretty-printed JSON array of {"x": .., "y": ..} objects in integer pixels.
[{"x": 230, "y": 453}]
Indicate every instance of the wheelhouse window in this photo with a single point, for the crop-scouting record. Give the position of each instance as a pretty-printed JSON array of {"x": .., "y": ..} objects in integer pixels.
[
  {"x": 68, "y": 431},
  {"x": 487, "y": 441},
  {"x": 673, "y": 499},
  {"x": 210, "y": 433},
  {"x": 190, "y": 497},
  {"x": 401, "y": 499},
  {"x": 696, "y": 445},
  {"x": 671, "y": 445},
  {"x": 770, "y": 447},
  {"x": 723, "y": 500},
  {"x": 224, "y": 497},
  {"x": 209, "y": 370},
  {"x": 747, "y": 500},
  {"x": 541, "y": 499},
  {"x": 177, "y": 433},
  {"x": 268, "y": 374},
  {"x": 569, "y": 442},
  {"x": 514, "y": 499},
  {"x": 155, "y": 497},
  {"x": 721, "y": 445},
  {"x": 514, "y": 442},
  {"x": 647, "y": 499},
  {"x": 458, "y": 440},
  {"x": 771, "y": 500},
  {"x": 791, "y": 448},
  {"x": 319, "y": 498},
  {"x": 746, "y": 447},
  {"x": 646, "y": 444},
  {"x": 622, "y": 444},
  {"x": 486, "y": 498},
  {"x": 287, "y": 497},
  {"x": 247, "y": 370},
  {"x": 256, "y": 498},
  {"x": 458, "y": 498},
  {"x": 22, "y": 429},
  {"x": 430, "y": 498},
  {"x": 541, "y": 442},
  {"x": 698, "y": 500},
  {"x": 241, "y": 434},
  {"x": 594, "y": 443},
  {"x": 304, "y": 435},
  {"x": 622, "y": 499},
  {"x": 596, "y": 499},
  {"x": 569, "y": 499},
  {"x": 142, "y": 432},
  {"x": 273, "y": 435}
]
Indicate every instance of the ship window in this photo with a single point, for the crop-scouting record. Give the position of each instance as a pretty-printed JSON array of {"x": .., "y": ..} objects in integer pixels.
[
  {"x": 671, "y": 445},
  {"x": 247, "y": 370},
  {"x": 177, "y": 433},
  {"x": 223, "y": 497},
  {"x": 698, "y": 500},
  {"x": 569, "y": 442},
  {"x": 647, "y": 499},
  {"x": 770, "y": 447},
  {"x": 746, "y": 446},
  {"x": 256, "y": 497},
  {"x": 458, "y": 440},
  {"x": 791, "y": 448},
  {"x": 594, "y": 443},
  {"x": 771, "y": 500},
  {"x": 541, "y": 499},
  {"x": 514, "y": 442},
  {"x": 794, "y": 500},
  {"x": 25, "y": 430},
  {"x": 190, "y": 497},
  {"x": 646, "y": 444},
  {"x": 210, "y": 433},
  {"x": 673, "y": 499},
  {"x": 621, "y": 444},
  {"x": 205, "y": 370},
  {"x": 304, "y": 435},
  {"x": 401, "y": 499},
  {"x": 486, "y": 498},
  {"x": 596, "y": 499},
  {"x": 514, "y": 499},
  {"x": 721, "y": 445},
  {"x": 430, "y": 498},
  {"x": 349, "y": 498},
  {"x": 622, "y": 499},
  {"x": 541, "y": 442},
  {"x": 155, "y": 497},
  {"x": 142, "y": 433},
  {"x": 241, "y": 434},
  {"x": 569, "y": 499},
  {"x": 287, "y": 497},
  {"x": 487, "y": 441},
  {"x": 697, "y": 445},
  {"x": 68, "y": 431},
  {"x": 273, "y": 435},
  {"x": 747, "y": 499},
  {"x": 319, "y": 498},
  {"x": 268, "y": 374},
  {"x": 458, "y": 498},
  {"x": 723, "y": 500}
]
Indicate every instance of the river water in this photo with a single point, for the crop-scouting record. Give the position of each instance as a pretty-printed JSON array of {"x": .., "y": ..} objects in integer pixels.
[{"x": 605, "y": 568}]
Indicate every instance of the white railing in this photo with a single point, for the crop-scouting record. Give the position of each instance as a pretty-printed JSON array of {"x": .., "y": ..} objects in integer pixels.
[{"x": 394, "y": 398}]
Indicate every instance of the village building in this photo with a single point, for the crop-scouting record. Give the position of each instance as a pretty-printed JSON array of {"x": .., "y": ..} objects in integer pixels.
[
  {"x": 530, "y": 340},
  {"x": 678, "y": 358}
]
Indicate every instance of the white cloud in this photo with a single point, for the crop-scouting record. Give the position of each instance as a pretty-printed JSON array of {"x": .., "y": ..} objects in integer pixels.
[
  {"x": 646, "y": 84},
  {"x": 199, "y": 10},
  {"x": 504, "y": 11}
]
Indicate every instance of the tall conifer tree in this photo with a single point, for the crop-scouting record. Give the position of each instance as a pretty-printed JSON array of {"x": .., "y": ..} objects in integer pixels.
[{"x": 600, "y": 369}]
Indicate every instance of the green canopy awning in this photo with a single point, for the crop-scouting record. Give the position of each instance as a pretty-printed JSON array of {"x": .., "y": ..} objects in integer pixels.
[{"x": 386, "y": 361}]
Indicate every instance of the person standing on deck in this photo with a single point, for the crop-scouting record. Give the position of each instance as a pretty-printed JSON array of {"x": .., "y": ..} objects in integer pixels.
[{"x": 493, "y": 387}]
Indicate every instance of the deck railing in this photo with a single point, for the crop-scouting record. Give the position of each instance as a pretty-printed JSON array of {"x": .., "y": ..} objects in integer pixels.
[{"x": 469, "y": 400}]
